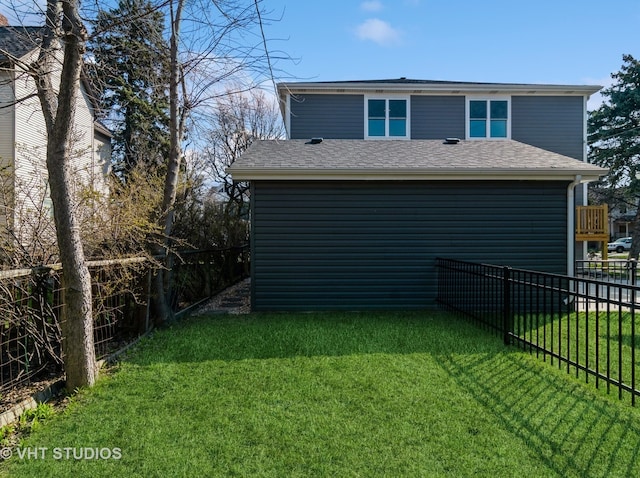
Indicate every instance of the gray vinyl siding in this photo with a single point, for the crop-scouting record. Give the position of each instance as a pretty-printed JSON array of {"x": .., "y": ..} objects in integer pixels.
[
  {"x": 554, "y": 123},
  {"x": 372, "y": 245},
  {"x": 437, "y": 117},
  {"x": 327, "y": 116}
]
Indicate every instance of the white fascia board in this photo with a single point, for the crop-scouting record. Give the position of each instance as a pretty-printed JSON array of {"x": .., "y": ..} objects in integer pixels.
[
  {"x": 411, "y": 175},
  {"x": 439, "y": 88}
]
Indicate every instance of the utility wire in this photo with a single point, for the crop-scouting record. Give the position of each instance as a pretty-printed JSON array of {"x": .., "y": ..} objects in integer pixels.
[{"x": 266, "y": 50}]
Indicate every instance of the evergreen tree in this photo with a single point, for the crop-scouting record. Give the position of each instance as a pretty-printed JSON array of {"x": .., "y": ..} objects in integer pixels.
[
  {"x": 131, "y": 70},
  {"x": 614, "y": 137}
]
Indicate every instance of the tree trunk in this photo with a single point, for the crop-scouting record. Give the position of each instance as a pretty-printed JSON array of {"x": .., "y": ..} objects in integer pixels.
[
  {"x": 163, "y": 312},
  {"x": 59, "y": 113},
  {"x": 77, "y": 314}
]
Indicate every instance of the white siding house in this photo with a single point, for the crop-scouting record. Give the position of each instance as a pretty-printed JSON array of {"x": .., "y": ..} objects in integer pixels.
[{"x": 23, "y": 139}]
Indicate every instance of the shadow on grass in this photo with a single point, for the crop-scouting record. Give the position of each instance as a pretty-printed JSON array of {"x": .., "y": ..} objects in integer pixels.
[
  {"x": 573, "y": 430},
  {"x": 576, "y": 433}
]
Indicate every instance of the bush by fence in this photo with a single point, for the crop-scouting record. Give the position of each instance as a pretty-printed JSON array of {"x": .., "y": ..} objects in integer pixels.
[
  {"x": 587, "y": 326},
  {"x": 31, "y": 305}
]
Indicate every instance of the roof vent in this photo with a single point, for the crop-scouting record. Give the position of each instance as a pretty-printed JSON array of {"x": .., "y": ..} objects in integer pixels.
[
  {"x": 451, "y": 140},
  {"x": 314, "y": 141}
]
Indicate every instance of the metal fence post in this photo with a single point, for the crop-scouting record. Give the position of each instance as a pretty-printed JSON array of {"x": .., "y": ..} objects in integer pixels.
[
  {"x": 507, "y": 318},
  {"x": 633, "y": 344},
  {"x": 634, "y": 270}
]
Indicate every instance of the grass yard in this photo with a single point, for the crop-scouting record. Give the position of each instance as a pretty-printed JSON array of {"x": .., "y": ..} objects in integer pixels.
[
  {"x": 335, "y": 394},
  {"x": 602, "y": 342}
]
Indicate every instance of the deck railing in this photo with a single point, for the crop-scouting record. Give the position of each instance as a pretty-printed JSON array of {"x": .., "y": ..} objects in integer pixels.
[{"x": 592, "y": 223}]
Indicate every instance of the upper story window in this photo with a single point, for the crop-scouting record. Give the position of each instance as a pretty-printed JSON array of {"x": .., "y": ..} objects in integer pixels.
[
  {"x": 488, "y": 118},
  {"x": 387, "y": 118}
]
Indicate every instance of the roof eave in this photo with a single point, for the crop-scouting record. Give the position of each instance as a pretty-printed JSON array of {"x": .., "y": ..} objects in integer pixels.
[
  {"x": 251, "y": 174},
  {"x": 99, "y": 128},
  {"x": 444, "y": 87}
]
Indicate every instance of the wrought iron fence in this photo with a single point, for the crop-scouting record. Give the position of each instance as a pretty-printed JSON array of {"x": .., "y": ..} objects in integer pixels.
[
  {"x": 584, "y": 325},
  {"x": 618, "y": 270},
  {"x": 31, "y": 306}
]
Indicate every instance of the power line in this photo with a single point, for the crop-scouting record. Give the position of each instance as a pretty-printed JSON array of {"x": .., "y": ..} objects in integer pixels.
[{"x": 266, "y": 50}]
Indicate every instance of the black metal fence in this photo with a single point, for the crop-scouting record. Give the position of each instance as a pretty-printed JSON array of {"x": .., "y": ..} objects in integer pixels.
[
  {"x": 31, "y": 306},
  {"x": 585, "y": 325},
  {"x": 618, "y": 270}
]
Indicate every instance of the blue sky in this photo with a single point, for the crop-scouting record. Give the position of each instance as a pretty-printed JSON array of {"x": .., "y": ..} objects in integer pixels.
[
  {"x": 511, "y": 41},
  {"x": 503, "y": 41}
]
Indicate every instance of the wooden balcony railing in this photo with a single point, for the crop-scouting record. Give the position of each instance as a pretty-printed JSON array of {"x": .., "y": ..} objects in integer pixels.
[{"x": 592, "y": 223}]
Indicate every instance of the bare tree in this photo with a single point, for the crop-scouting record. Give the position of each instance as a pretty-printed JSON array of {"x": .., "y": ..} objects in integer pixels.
[
  {"x": 64, "y": 30},
  {"x": 238, "y": 120},
  {"x": 202, "y": 64}
]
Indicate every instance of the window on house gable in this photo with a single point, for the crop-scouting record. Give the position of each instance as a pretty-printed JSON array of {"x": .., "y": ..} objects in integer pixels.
[
  {"x": 488, "y": 118},
  {"x": 387, "y": 118}
]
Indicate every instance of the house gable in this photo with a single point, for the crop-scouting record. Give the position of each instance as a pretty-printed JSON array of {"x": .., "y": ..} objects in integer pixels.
[
  {"x": 352, "y": 220},
  {"x": 23, "y": 137},
  {"x": 547, "y": 116}
]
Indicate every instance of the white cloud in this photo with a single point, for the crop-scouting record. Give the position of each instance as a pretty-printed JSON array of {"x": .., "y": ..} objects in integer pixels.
[
  {"x": 378, "y": 31},
  {"x": 371, "y": 6}
]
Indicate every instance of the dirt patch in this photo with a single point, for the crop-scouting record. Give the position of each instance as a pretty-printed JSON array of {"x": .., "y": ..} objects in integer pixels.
[{"x": 22, "y": 392}]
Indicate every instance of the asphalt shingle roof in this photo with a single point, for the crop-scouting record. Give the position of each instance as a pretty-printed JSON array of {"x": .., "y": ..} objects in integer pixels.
[
  {"x": 18, "y": 41},
  {"x": 417, "y": 159}
]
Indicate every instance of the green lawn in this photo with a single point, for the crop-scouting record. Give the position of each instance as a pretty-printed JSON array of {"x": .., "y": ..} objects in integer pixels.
[
  {"x": 335, "y": 394},
  {"x": 602, "y": 342}
]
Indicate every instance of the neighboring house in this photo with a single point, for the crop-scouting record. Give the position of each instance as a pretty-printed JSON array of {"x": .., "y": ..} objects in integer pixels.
[
  {"x": 622, "y": 210},
  {"x": 356, "y": 220},
  {"x": 621, "y": 219},
  {"x": 23, "y": 137}
]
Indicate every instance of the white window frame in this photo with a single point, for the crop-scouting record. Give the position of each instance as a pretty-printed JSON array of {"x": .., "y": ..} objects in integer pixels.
[
  {"x": 467, "y": 125},
  {"x": 386, "y": 97}
]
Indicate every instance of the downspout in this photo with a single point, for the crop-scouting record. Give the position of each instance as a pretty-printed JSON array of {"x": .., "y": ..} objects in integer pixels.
[
  {"x": 571, "y": 225},
  {"x": 585, "y": 158}
]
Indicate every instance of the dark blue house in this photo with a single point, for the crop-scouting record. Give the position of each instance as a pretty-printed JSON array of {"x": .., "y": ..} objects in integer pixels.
[{"x": 378, "y": 178}]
